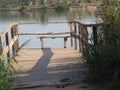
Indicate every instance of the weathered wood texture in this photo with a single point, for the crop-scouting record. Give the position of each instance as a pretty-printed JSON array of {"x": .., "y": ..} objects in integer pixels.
[
  {"x": 80, "y": 35},
  {"x": 71, "y": 37},
  {"x": 7, "y": 44},
  {"x": 10, "y": 42},
  {"x": 75, "y": 39},
  {"x": 43, "y": 33},
  {"x": 53, "y": 37},
  {"x": 48, "y": 66},
  {"x": 42, "y": 22}
]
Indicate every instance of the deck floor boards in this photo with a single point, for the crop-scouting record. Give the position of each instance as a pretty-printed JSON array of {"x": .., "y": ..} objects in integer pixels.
[{"x": 48, "y": 66}]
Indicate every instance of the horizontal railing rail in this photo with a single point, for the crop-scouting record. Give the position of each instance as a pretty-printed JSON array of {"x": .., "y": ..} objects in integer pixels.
[
  {"x": 43, "y": 33},
  {"x": 41, "y": 22},
  {"x": 10, "y": 37},
  {"x": 78, "y": 35},
  {"x": 53, "y": 37}
]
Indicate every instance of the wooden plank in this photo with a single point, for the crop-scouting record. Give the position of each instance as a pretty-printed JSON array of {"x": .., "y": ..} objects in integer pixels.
[
  {"x": 17, "y": 41},
  {"x": 75, "y": 39},
  {"x": 7, "y": 48},
  {"x": 80, "y": 41},
  {"x": 58, "y": 62},
  {"x": 7, "y": 29},
  {"x": 42, "y": 43},
  {"x": 88, "y": 25},
  {"x": 65, "y": 42},
  {"x": 12, "y": 37},
  {"x": 71, "y": 37},
  {"x": 53, "y": 37},
  {"x": 42, "y": 22},
  {"x": 85, "y": 38},
  {"x": 43, "y": 33},
  {"x": 81, "y": 38},
  {"x": 7, "y": 43}
]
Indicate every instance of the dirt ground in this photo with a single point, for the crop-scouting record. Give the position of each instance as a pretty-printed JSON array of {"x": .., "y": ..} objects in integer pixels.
[{"x": 67, "y": 87}]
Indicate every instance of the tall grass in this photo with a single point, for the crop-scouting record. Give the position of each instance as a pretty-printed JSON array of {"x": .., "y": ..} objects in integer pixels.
[
  {"x": 7, "y": 71},
  {"x": 6, "y": 75},
  {"x": 104, "y": 58}
]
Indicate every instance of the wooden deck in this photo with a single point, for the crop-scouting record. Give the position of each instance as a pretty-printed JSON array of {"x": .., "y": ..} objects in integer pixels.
[{"x": 48, "y": 67}]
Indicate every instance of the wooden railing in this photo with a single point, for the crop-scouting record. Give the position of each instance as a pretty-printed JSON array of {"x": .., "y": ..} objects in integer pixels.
[
  {"x": 9, "y": 40},
  {"x": 79, "y": 39},
  {"x": 78, "y": 35},
  {"x": 53, "y": 37}
]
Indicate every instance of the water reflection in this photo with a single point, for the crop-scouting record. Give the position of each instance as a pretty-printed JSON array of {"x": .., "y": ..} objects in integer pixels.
[{"x": 45, "y": 16}]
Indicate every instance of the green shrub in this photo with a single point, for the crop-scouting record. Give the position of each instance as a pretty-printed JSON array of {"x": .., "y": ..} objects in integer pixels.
[
  {"x": 104, "y": 58},
  {"x": 44, "y": 8},
  {"x": 62, "y": 6},
  {"x": 24, "y": 8}
]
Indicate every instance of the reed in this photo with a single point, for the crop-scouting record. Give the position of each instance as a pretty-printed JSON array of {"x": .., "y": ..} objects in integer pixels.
[{"x": 104, "y": 58}]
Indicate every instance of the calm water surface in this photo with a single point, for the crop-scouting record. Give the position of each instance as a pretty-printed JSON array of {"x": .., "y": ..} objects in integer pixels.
[{"x": 7, "y": 18}]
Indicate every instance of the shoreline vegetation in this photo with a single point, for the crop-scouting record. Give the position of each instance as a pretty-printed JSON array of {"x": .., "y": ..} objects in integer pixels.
[
  {"x": 104, "y": 58},
  {"x": 30, "y": 5}
]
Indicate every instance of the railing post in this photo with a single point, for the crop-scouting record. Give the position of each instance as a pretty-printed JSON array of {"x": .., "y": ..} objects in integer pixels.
[
  {"x": 75, "y": 40},
  {"x": 85, "y": 39},
  {"x": 12, "y": 37},
  {"x": 16, "y": 35},
  {"x": 65, "y": 42},
  {"x": 42, "y": 43},
  {"x": 71, "y": 36},
  {"x": 80, "y": 35},
  {"x": 95, "y": 38},
  {"x": 7, "y": 43},
  {"x": 14, "y": 31},
  {"x": 1, "y": 48}
]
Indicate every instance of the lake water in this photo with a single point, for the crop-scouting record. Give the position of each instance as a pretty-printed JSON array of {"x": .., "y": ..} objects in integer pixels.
[{"x": 8, "y": 17}]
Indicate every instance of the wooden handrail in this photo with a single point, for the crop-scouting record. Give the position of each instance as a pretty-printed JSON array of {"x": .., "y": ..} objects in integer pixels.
[
  {"x": 82, "y": 34},
  {"x": 78, "y": 36},
  {"x": 7, "y": 29},
  {"x": 88, "y": 25},
  {"x": 41, "y": 22},
  {"x": 43, "y": 33},
  {"x": 12, "y": 42},
  {"x": 53, "y": 37}
]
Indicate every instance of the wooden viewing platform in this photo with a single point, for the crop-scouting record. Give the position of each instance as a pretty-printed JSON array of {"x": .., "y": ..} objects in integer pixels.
[{"x": 48, "y": 66}]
